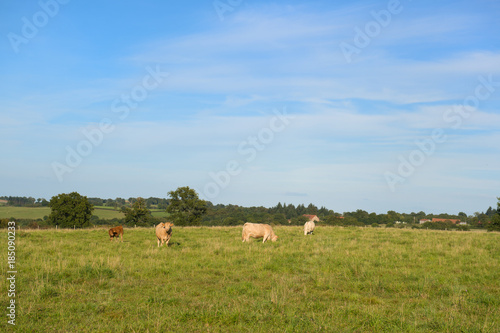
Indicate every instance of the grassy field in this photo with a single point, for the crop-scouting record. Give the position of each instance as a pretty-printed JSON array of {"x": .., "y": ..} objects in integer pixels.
[
  {"x": 338, "y": 280},
  {"x": 24, "y": 212},
  {"x": 110, "y": 213},
  {"x": 40, "y": 212}
]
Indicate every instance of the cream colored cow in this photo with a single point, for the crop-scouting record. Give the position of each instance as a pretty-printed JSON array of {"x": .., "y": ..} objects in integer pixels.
[
  {"x": 164, "y": 233},
  {"x": 309, "y": 227},
  {"x": 257, "y": 230}
]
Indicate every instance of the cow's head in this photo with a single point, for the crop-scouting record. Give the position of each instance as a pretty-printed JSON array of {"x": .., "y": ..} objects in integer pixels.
[
  {"x": 167, "y": 225},
  {"x": 274, "y": 238}
]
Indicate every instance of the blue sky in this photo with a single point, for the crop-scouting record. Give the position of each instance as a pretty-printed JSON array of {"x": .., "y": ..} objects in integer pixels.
[{"x": 374, "y": 105}]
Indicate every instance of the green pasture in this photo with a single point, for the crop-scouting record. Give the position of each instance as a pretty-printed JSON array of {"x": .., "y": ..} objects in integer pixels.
[
  {"x": 40, "y": 212},
  {"x": 110, "y": 213},
  {"x": 24, "y": 212},
  {"x": 337, "y": 280}
]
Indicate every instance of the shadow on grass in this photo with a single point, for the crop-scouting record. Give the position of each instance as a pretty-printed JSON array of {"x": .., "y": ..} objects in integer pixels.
[{"x": 170, "y": 244}]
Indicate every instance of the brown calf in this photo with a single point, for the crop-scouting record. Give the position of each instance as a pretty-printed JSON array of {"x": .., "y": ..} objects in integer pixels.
[{"x": 115, "y": 232}]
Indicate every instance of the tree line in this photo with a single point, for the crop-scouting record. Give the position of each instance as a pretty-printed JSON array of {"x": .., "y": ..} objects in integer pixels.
[
  {"x": 185, "y": 208},
  {"x": 25, "y": 201},
  {"x": 118, "y": 203}
]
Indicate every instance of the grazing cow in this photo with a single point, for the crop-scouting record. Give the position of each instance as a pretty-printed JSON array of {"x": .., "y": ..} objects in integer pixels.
[
  {"x": 164, "y": 232},
  {"x": 257, "y": 230},
  {"x": 309, "y": 227},
  {"x": 115, "y": 232}
]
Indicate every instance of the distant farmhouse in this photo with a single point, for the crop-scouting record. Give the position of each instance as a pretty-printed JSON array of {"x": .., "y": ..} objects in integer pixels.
[{"x": 311, "y": 217}]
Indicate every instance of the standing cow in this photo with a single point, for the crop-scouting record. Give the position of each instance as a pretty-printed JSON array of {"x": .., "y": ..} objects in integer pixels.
[
  {"x": 164, "y": 232},
  {"x": 309, "y": 227},
  {"x": 115, "y": 232},
  {"x": 257, "y": 230}
]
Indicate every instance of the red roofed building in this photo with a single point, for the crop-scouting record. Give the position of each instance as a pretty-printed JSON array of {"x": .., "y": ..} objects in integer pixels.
[{"x": 312, "y": 217}]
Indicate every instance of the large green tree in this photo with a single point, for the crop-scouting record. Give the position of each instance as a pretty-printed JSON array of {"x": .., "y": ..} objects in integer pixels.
[
  {"x": 495, "y": 220},
  {"x": 70, "y": 210},
  {"x": 185, "y": 208},
  {"x": 139, "y": 214}
]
